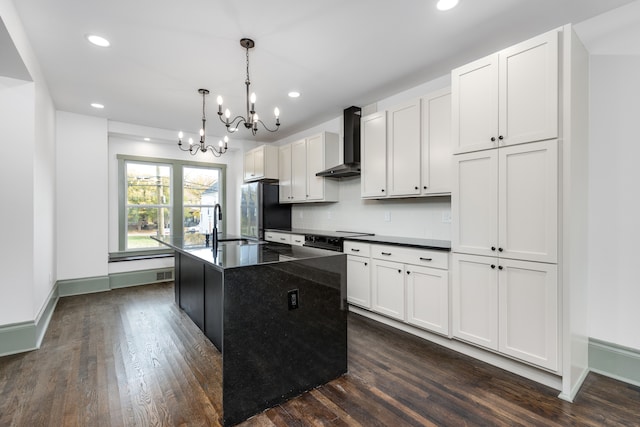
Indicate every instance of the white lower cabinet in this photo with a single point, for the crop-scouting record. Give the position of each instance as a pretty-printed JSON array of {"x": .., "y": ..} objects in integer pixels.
[
  {"x": 475, "y": 300},
  {"x": 528, "y": 312},
  {"x": 359, "y": 281},
  {"x": 388, "y": 280},
  {"x": 507, "y": 305},
  {"x": 428, "y": 298},
  {"x": 388, "y": 288}
]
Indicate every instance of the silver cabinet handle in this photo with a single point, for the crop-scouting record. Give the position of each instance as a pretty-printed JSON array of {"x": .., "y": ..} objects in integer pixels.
[
  {"x": 355, "y": 250},
  {"x": 283, "y": 239},
  {"x": 426, "y": 259},
  {"x": 297, "y": 241},
  {"x": 385, "y": 253}
]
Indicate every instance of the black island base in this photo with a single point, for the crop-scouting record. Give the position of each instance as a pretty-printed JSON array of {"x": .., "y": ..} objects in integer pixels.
[{"x": 277, "y": 313}]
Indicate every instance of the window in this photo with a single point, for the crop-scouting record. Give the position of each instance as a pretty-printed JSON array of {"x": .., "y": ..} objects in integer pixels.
[
  {"x": 162, "y": 197},
  {"x": 148, "y": 203},
  {"x": 201, "y": 192}
]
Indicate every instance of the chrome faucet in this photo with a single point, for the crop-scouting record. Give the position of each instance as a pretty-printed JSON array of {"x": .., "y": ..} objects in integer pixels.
[{"x": 217, "y": 208}]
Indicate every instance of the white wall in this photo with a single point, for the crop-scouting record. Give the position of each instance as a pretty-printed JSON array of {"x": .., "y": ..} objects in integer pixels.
[
  {"x": 614, "y": 201},
  {"x": 82, "y": 196},
  {"x": 26, "y": 183},
  {"x": 16, "y": 191},
  {"x": 422, "y": 218}
]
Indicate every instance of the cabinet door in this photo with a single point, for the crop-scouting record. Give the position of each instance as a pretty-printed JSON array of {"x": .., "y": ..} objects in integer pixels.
[
  {"x": 437, "y": 159},
  {"x": 528, "y": 201},
  {"x": 475, "y": 299},
  {"x": 373, "y": 154},
  {"x": 528, "y": 96},
  {"x": 315, "y": 164},
  {"x": 387, "y": 288},
  {"x": 359, "y": 281},
  {"x": 258, "y": 162},
  {"x": 528, "y": 304},
  {"x": 249, "y": 173},
  {"x": 403, "y": 148},
  {"x": 474, "y": 99},
  {"x": 284, "y": 173},
  {"x": 474, "y": 203},
  {"x": 299, "y": 171},
  {"x": 428, "y": 298}
]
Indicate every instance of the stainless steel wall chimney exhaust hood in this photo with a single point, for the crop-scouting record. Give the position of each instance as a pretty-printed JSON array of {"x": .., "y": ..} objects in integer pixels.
[{"x": 351, "y": 164}]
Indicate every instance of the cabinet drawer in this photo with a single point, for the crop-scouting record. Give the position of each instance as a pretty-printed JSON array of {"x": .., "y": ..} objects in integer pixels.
[
  {"x": 357, "y": 248},
  {"x": 274, "y": 236},
  {"x": 297, "y": 239},
  {"x": 422, "y": 257}
]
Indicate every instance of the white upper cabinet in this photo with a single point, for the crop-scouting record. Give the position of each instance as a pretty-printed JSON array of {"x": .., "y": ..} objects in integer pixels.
[
  {"x": 437, "y": 159},
  {"x": 406, "y": 150},
  {"x": 474, "y": 105},
  {"x": 299, "y": 171},
  {"x": 505, "y": 202},
  {"x": 507, "y": 98},
  {"x": 261, "y": 163},
  {"x": 373, "y": 153},
  {"x": 300, "y": 161},
  {"x": 403, "y": 149},
  {"x": 284, "y": 173}
]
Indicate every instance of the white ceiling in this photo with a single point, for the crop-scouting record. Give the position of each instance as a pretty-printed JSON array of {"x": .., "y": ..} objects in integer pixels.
[{"x": 337, "y": 53}]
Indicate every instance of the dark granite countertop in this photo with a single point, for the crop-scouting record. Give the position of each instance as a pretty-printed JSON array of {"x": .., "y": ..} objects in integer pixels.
[
  {"x": 440, "y": 245},
  {"x": 233, "y": 252}
]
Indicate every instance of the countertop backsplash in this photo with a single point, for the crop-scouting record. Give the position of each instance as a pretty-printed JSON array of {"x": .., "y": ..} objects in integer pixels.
[{"x": 413, "y": 217}]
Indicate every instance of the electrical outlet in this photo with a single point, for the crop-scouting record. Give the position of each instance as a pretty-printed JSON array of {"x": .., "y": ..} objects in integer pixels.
[
  {"x": 292, "y": 299},
  {"x": 446, "y": 216},
  {"x": 387, "y": 216}
]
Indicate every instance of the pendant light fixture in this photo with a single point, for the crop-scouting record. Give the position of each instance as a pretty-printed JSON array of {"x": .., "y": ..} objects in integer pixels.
[
  {"x": 194, "y": 148},
  {"x": 251, "y": 120}
]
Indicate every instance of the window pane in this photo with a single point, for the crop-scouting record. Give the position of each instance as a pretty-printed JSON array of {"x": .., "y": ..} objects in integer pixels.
[
  {"x": 201, "y": 186},
  {"x": 145, "y": 222},
  {"x": 201, "y": 189},
  {"x": 148, "y": 184}
]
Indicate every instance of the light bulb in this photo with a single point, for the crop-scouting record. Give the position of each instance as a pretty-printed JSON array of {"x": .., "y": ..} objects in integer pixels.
[
  {"x": 253, "y": 98},
  {"x": 180, "y": 135},
  {"x": 227, "y": 113},
  {"x": 446, "y": 4},
  {"x": 201, "y": 132},
  {"x": 220, "y": 143},
  {"x": 226, "y": 139},
  {"x": 255, "y": 118},
  {"x": 276, "y": 111},
  {"x": 219, "y": 99},
  {"x": 190, "y": 141}
]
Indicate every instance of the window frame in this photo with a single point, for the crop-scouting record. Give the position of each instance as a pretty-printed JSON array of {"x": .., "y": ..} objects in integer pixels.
[{"x": 176, "y": 202}]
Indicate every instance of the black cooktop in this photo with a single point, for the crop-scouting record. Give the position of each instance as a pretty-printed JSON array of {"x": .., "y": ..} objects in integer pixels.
[{"x": 338, "y": 233}]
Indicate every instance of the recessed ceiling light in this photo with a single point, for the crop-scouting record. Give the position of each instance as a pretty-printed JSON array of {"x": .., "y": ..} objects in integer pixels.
[
  {"x": 96, "y": 105},
  {"x": 446, "y": 4},
  {"x": 294, "y": 94},
  {"x": 147, "y": 139},
  {"x": 98, "y": 41}
]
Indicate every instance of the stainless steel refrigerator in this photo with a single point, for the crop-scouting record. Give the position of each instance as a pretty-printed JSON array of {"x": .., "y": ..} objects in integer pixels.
[{"x": 260, "y": 210}]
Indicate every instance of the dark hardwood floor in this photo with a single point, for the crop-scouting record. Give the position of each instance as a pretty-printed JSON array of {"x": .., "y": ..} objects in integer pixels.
[{"x": 131, "y": 357}]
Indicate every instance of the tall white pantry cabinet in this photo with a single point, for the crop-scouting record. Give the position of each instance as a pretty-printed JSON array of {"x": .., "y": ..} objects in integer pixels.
[{"x": 519, "y": 203}]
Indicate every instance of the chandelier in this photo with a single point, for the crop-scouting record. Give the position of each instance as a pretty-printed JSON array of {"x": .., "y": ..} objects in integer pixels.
[
  {"x": 251, "y": 120},
  {"x": 193, "y": 149}
]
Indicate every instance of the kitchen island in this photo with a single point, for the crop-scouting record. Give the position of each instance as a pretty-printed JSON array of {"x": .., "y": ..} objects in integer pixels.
[{"x": 277, "y": 313}]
